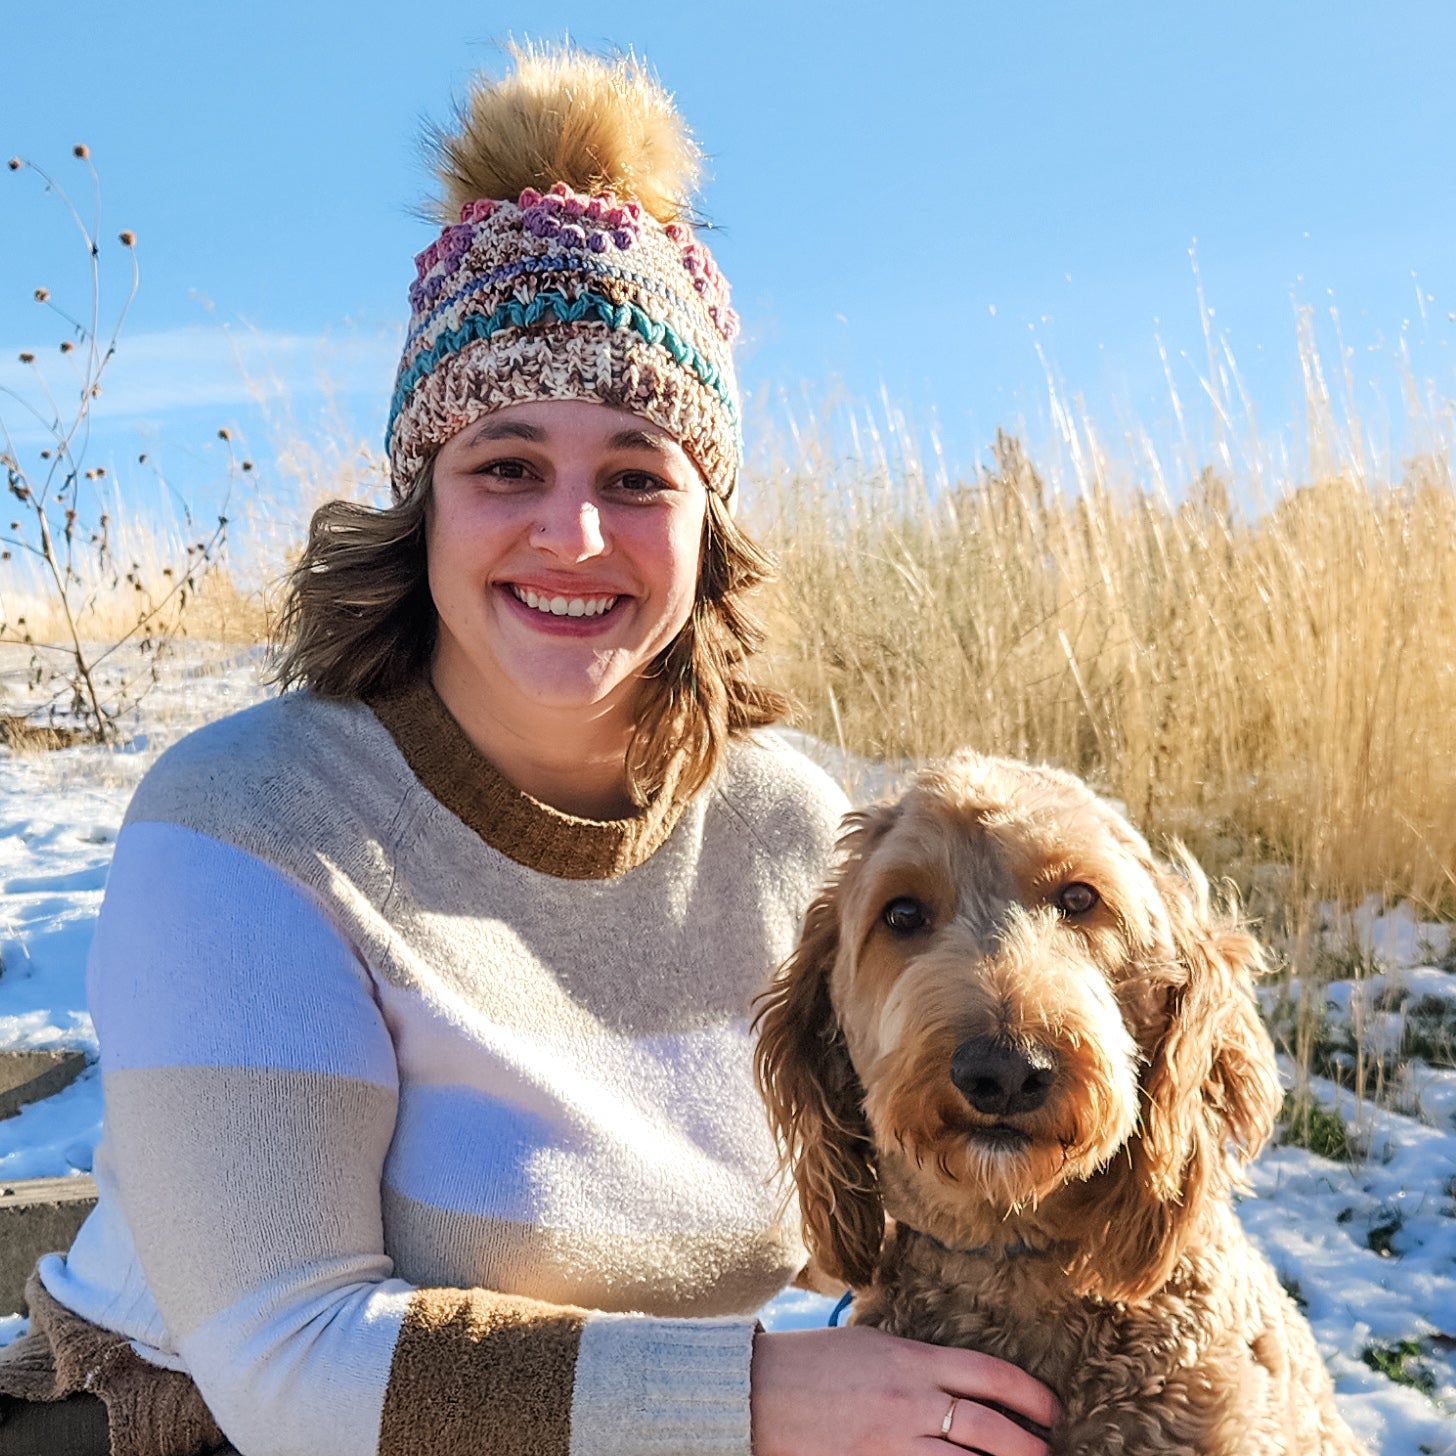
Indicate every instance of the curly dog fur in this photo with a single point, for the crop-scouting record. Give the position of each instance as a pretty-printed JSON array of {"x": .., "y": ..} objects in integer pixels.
[{"x": 1015, "y": 1064}]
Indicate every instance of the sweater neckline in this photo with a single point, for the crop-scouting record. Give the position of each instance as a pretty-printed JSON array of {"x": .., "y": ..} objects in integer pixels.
[{"x": 521, "y": 827}]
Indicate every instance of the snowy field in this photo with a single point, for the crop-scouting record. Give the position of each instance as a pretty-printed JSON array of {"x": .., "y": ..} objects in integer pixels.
[{"x": 1368, "y": 1246}]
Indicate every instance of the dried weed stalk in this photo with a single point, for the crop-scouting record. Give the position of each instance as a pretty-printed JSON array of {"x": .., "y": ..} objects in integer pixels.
[{"x": 61, "y": 538}]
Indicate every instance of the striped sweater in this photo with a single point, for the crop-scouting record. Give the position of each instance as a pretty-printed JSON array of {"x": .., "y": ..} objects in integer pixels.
[{"x": 429, "y": 1119}]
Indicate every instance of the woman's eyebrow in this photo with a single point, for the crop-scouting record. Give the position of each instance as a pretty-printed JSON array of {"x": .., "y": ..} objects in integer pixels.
[
  {"x": 637, "y": 439},
  {"x": 507, "y": 430}
]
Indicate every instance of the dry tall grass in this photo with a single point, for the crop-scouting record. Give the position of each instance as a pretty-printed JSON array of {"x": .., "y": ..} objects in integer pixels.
[
  {"x": 143, "y": 600},
  {"x": 134, "y": 591},
  {"x": 1274, "y": 682},
  {"x": 1259, "y": 661}
]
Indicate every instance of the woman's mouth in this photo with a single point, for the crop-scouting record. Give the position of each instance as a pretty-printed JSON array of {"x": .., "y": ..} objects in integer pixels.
[{"x": 559, "y": 605}]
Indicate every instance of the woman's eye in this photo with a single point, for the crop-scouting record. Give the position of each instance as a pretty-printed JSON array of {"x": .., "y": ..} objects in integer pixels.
[
  {"x": 905, "y": 916},
  {"x": 1077, "y": 898},
  {"x": 504, "y": 469},
  {"x": 639, "y": 482}
]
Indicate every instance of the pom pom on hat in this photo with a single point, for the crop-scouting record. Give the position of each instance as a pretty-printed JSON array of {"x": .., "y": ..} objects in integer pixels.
[
  {"x": 566, "y": 267},
  {"x": 564, "y": 116}
]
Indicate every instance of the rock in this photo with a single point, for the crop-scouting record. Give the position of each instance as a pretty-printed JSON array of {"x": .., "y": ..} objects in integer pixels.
[{"x": 28, "y": 1076}]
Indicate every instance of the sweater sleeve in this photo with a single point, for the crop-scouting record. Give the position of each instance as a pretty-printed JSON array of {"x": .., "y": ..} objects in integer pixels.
[{"x": 250, "y": 1093}]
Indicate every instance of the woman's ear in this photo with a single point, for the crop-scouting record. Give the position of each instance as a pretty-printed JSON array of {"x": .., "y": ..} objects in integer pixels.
[{"x": 814, "y": 1097}]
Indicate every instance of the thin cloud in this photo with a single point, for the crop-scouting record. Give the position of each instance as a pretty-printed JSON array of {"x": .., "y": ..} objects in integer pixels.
[{"x": 201, "y": 366}]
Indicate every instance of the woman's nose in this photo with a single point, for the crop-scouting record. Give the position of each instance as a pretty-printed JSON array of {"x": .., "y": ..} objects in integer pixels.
[{"x": 569, "y": 526}]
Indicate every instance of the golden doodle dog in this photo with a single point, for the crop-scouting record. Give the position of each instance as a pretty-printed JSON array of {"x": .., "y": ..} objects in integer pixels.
[{"x": 1035, "y": 1048}]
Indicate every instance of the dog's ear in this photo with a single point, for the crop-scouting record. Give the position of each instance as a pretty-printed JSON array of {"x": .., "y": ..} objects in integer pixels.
[
  {"x": 1212, "y": 1084},
  {"x": 1210, "y": 1088},
  {"x": 814, "y": 1099}
]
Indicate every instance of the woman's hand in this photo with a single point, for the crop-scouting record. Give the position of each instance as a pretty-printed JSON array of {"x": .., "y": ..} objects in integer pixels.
[{"x": 861, "y": 1392}]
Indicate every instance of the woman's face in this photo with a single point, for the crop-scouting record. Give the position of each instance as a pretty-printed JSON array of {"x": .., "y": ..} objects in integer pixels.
[{"x": 562, "y": 544}]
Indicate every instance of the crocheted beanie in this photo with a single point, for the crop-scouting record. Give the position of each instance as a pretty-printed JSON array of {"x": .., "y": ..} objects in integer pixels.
[{"x": 567, "y": 269}]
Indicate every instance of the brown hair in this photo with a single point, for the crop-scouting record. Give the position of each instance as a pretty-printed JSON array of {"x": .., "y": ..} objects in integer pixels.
[{"x": 358, "y": 622}]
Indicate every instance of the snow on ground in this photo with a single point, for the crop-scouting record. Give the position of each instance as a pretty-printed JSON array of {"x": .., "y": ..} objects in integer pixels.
[{"x": 1368, "y": 1247}]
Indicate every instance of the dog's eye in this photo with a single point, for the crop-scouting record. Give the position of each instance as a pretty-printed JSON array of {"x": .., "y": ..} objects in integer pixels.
[
  {"x": 1077, "y": 898},
  {"x": 905, "y": 916}
]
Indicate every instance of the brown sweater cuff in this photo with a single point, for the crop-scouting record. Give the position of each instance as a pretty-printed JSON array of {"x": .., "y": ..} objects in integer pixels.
[{"x": 480, "y": 1374}]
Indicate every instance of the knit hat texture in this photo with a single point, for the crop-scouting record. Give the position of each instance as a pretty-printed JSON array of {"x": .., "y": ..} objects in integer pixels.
[{"x": 581, "y": 280}]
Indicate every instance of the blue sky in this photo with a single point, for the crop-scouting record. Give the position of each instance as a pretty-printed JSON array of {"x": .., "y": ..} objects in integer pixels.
[{"x": 945, "y": 202}]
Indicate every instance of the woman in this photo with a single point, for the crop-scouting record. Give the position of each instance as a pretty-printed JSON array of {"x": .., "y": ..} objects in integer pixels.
[{"x": 422, "y": 992}]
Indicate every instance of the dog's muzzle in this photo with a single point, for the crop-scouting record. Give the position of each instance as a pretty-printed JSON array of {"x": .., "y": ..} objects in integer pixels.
[{"x": 1001, "y": 1078}]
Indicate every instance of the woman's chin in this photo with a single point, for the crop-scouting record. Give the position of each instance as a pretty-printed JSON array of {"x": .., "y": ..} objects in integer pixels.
[{"x": 587, "y": 699}]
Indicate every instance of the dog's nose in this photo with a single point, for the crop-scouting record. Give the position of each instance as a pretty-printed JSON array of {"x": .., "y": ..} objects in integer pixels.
[{"x": 1000, "y": 1078}]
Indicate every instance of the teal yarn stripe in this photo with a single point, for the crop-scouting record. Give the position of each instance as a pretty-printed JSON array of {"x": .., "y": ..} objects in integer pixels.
[{"x": 551, "y": 304}]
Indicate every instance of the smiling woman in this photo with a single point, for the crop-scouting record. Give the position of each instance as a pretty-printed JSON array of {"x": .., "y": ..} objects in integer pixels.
[
  {"x": 422, "y": 991},
  {"x": 364, "y": 616},
  {"x": 563, "y": 543}
]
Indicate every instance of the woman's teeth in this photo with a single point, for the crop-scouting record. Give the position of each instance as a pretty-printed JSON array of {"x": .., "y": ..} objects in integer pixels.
[{"x": 564, "y": 606}]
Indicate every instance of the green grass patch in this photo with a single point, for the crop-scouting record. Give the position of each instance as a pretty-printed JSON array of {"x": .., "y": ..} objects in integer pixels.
[
  {"x": 1401, "y": 1363},
  {"x": 1305, "y": 1124}
]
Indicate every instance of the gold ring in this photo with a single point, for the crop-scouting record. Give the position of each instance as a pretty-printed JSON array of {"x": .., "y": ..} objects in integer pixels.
[{"x": 945, "y": 1425}]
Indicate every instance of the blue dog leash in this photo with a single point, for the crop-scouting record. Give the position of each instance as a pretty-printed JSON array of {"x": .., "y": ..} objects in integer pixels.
[{"x": 840, "y": 1308}]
